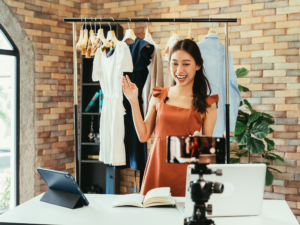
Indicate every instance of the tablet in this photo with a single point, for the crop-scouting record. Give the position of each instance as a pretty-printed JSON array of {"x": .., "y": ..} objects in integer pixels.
[{"x": 62, "y": 181}]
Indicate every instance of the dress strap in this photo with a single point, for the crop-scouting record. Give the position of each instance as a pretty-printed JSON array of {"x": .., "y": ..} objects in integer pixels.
[
  {"x": 161, "y": 93},
  {"x": 212, "y": 99}
]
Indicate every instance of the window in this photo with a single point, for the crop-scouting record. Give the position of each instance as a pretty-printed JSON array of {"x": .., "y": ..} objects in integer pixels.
[{"x": 9, "y": 70}]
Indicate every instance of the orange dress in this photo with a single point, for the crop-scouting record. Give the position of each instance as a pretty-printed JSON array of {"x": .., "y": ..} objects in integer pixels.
[{"x": 170, "y": 121}]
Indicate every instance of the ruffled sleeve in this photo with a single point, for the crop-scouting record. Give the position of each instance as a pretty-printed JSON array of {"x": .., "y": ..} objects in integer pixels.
[
  {"x": 157, "y": 91},
  {"x": 212, "y": 99}
]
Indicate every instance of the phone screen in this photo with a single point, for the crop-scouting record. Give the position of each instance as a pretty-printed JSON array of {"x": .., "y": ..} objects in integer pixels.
[{"x": 186, "y": 149}]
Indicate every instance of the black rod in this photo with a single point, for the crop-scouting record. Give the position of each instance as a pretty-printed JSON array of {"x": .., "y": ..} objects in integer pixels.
[
  {"x": 117, "y": 20},
  {"x": 76, "y": 144},
  {"x": 227, "y": 133}
]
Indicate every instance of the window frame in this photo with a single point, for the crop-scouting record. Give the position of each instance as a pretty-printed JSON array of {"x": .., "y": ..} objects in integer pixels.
[{"x": 15, "y": 52}]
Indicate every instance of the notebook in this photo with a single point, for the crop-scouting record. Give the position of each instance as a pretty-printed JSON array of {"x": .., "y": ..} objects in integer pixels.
[{"x": 154, "y": 197}]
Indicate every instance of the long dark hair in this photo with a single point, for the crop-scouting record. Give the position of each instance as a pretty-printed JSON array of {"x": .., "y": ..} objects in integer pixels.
[{"x": 201, "y": 83}]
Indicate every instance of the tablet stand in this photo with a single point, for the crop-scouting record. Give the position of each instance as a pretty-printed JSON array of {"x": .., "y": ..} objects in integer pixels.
[{"x": 62, "y": 198}]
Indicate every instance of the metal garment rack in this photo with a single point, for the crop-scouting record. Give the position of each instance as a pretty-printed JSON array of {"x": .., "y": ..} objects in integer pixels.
[{"x": 134, "y": 20}]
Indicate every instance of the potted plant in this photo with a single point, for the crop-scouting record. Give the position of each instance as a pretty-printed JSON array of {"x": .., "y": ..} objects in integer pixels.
[{"x": 251, "y": 133}]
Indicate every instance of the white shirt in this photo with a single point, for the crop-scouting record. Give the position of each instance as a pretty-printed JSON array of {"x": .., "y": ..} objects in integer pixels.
[{"x": 109, "y": 71}]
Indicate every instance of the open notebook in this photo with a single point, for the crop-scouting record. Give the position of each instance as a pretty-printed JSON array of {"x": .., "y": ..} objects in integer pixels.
[{"x": 154, "y": 197}]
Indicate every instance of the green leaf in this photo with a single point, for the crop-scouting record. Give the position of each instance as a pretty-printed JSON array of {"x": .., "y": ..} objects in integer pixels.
[
  {"x": 269, "y": 178},
  {"x": 239, "y": 127},
  {"x": 234, "y": 160},
  {"x": 232, "y": 139},
  {"x": 241, "y": 103},
  {"x": 268, "y": 120},
  {"x": 240, "y": 112},
  {"x": 246, "y": 89},
  {"x": 270, "y": 143},
  {"x": 243, "y": 89},
  {"x": 270, "y": 157},
  {"x": 271, "y": 130},
  {"x": 271, "y": 168},
  {"x": 267, "y": 115},
  {"x": 253, "y": 117},
  {"x": 243, "y": 137},
  {"x": 249, "y": 106},
  {"x": 241, "y": 72},
  {"x": 260, "y": 129},
  {"x": 241, "y": 154},
  {"x": 255, "y": 146},
  {"x": 281, "y": 160},
  {"x": 241, "y": 147},
  {"x": 242, "y": 119}
]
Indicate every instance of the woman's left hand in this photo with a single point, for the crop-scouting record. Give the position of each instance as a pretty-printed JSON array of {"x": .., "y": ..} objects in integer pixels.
[{"x": 197, "y": 134}]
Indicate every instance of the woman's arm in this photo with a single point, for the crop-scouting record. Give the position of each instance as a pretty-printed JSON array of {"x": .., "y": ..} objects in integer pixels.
[
  {"x": 210, "y": 120},
  {"x": 144, "y": 129}
]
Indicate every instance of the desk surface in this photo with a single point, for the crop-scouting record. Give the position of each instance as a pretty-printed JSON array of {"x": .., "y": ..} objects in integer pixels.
[{"x": 274, "y": 212}]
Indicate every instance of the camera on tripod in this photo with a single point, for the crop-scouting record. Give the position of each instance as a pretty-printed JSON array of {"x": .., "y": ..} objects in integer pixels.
[{"x": 199, "y": 151}]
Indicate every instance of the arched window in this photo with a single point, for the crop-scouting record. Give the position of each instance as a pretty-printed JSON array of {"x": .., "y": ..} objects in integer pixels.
[{"x": 9, "y": 120}]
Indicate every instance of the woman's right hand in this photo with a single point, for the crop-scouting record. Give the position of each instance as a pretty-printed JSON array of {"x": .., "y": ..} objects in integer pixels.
[{"x": 131, "y": 91}]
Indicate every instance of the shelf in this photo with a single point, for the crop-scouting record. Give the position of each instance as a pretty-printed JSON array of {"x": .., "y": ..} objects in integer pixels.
[
  {"x": 91, "y": 143},
  {"x": 91, "y": 113},
  {"x": 91, "y": 84},
  {"x": 91, "y": 161}
]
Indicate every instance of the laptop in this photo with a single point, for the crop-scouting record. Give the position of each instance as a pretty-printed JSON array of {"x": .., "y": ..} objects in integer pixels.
[{"x": 243, "y": 190}]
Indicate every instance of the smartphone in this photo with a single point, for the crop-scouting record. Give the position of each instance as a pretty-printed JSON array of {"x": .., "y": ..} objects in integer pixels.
[{"x": 187, "y": 149}]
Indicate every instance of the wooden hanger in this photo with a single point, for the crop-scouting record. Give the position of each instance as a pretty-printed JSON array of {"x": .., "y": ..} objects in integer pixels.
[
  {"x": 111, "y": 36},
  {"x": 84, "y": 42},
  {"x": 147, "y": 29},
  {"x": 210, "y": 31},
  {"x": 174, "y": 31},
  {"x": 129, "y": 35},
  {"x": 101, "y": 40},
  {"x": 190, "y": 33}
]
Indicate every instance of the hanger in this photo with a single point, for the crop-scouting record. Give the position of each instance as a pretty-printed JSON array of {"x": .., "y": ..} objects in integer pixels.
[
  {"x": 211, "y": 31},
  {"x": 174, "y": 32},
  {"x": 147, "y": 29},
  {"x": 111, "y": 36},
  {"x": 100, "y": 35},
  {"x": 78, "y": 45},
  {"x": 190, "y": 32},
  {"x": 129, "y": 34},
  {"x": 84, "y": 42},
  {"x": 100, "y": 40},
  {"x": 95, "y": 40},
  {"x": 90, "y": 42}
]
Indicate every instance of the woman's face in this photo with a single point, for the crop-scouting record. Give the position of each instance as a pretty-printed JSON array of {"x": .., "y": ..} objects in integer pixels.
[{"x": 183, "y": 67}]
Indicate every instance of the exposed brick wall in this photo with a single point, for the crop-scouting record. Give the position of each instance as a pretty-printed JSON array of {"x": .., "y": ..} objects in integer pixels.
[{"x": 265, "y": 40}]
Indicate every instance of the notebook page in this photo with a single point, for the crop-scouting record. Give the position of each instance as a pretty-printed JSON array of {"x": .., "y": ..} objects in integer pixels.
[
  {"x": 158, "y": 192},
  {"x": 130, "y": 199}
]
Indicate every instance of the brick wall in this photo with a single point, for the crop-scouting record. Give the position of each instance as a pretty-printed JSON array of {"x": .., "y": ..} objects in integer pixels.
[{"x": 265, "y": 40}]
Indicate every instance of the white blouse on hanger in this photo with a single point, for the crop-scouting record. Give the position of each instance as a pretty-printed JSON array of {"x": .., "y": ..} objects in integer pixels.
[
  {"x": 109, "y": 71},
  {"x": 169, "y": 81}
]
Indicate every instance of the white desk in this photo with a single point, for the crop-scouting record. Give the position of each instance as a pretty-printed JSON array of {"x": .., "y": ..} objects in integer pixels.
[{"x": 275, "y": 212}]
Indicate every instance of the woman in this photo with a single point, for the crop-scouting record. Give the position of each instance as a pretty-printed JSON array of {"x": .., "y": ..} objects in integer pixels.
[{"x": 180, "y": 110}]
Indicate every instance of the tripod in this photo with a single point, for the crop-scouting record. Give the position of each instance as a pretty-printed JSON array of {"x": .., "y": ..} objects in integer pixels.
[{"x": 201, "y": 191}]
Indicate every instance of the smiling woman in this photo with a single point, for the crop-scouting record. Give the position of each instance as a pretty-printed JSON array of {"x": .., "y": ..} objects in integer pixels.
[{"x": 181, "y": 110}]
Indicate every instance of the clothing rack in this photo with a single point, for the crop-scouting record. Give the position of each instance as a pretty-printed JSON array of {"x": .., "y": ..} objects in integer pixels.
[{"x": 182, "y": 20}]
